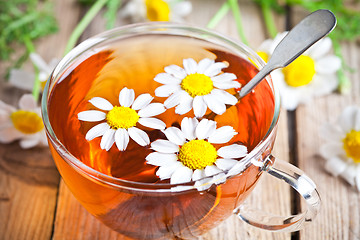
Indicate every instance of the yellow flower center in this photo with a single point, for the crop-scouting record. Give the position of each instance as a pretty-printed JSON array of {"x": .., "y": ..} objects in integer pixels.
[
  {"x": 197, "y": 154},
  {"x": 27, "y": 122},
  {"x": 122, "y": 117},
  {"x": 264, "y": 56},
  {"x": 197, "y": 84},
  {"x": 157, "y": 10},
  {"x": 300, "y": 72},
  {"x": 352, "y": 145}
]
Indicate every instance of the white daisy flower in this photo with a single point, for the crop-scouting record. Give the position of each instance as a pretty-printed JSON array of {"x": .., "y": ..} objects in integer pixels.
[
  {"x": 342, "y": 148},
  {"x": 156, "y": 10},
  {"x": 197, "y": 86},
  {"x": 119, "y": 123},
  {"x": 310, "y": 75},
  {"x": 189, "y": 153},
  {"x": 24, "y": 124},
  {"x": 25, "y": 80}
]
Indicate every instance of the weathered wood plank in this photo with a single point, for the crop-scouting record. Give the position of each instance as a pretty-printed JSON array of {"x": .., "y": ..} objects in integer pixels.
[{"x": 28, "y": 178}]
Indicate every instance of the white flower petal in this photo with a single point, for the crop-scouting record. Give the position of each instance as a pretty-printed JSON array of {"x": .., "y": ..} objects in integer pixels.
[
  {"x": 225, "y": 77},
  {"x": 222, "y": 135},
  {"x": 332, "y": 149},
  {"x": 101, "y": 103},
  {"x": 29, "y": 142},
  {"x": 232, "y": 151},
  {"x": 227, "y": 85},
  {"x": 165, "y": 172},
  {"x": 188, "y": 126},
  {"x": 205, "y": 128},
  {"x": 199, "y": 106},
  {"x": 190, "y": 66},
  {"x": 142, "y": 101},
  {"x": 328, "y": 65},
  {"x": 6, "y": 108},
  {"x": 214, "y": 105},
  {"x": 39, "y": 62},
  {"x": 21, "y": 79},
  {"x": 349, "y": 174},
  {"x": 225, "y": 163},
  {"x": 335, "y": 166},
  {"x": 320, "y": 48},
  {"x": 161, "y": 159},
  {"x": 152, "y": 123},
  {"x": 152, "y": 109},
  {"x": 323, "y": 84},
  {"x": 212, "y": 170},
  {"x": 214, "y": 69},
  {"x": 121, "y": 139},
  {"x": 91, "y": 116},
  {"x": 278, "y": 38},
  {"x": 164, "y": 146},
  {"x": 357, "y": 178},
  {"x": 181, "y": 175},
  {"x": 349, "y": 118},
  {"x": 9, "y": 134},
  {"x": 107, "y": 139},
  {"x": 97, "y": 131},
  {"x": 166, "y": 90},
  {"x": 331, "y": 132},
  {"x": 27, "y": 102},
  {"x": 175, "y": 135},
  {"x": 182, "y": 8},
  {"x": 204, "y": 64},
  {"x": 176, "y": 71},
  {"x": 185, "y": 105},
  {"x": 198, "y": 174},
  {"x": 139, "y": 136},
  {"x": 166, "y": 78},
  {"x": 174, "y": 99},
  {"x": 126, "y": 97}
]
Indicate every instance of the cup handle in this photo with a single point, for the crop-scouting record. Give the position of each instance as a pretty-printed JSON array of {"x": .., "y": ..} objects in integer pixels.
[{"x": 297, "y": 179}]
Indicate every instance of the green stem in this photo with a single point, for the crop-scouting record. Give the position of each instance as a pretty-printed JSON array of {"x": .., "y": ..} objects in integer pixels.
[
  {"x": 219, "y": 15},
  {"x": 269, "y": 21},
  {"x": 110, "y": 14},
  {"x": 237, "y": 15},
  {"x": 85, "y": 21},
  {"x": 36, "y": 88}
]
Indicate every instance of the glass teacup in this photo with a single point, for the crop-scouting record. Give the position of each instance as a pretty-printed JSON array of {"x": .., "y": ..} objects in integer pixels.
[{"x": 141, "y": 207}]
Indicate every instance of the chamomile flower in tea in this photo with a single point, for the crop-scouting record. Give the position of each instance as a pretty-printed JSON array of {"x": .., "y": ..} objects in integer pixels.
[
  {"x": 310, "y": 75},
  {"x": 197, "y": 86},
  {"x": 24, "y": 124},
  {"x": 119, "y": 122},
  {"x": 190, "y": 154},
  {"x": 342, "y": 148}
]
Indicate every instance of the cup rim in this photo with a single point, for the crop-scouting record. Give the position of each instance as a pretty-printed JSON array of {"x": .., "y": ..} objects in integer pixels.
[{"x": 137, "y": 28}]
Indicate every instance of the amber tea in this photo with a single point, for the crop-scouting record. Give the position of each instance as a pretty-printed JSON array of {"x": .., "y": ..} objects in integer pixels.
[{"x": 134, "y": 63}]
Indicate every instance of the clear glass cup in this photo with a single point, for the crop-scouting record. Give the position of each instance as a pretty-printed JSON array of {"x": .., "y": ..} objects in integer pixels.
[{"x": 165, "y": 211}]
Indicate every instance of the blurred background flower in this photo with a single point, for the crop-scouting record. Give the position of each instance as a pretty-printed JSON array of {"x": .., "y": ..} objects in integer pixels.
[{"x": 342, "y": 146}]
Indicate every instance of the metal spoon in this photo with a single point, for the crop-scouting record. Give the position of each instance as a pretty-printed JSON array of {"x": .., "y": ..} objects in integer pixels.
[{"x": 310, "y": 30}]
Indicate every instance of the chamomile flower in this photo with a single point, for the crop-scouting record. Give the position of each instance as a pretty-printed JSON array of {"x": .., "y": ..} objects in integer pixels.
[
  {"x": 25, "y": 80},
  {"x": 189, "y": 153},
  {"x": 24, "y": 124},
  {"x": 197, "y": 86},
  {"x": 310, "y": 75},
  {"x": 342, "y": 148},
  {"x": 119, "y": 122},
  {"x": 156, "y": 10}
]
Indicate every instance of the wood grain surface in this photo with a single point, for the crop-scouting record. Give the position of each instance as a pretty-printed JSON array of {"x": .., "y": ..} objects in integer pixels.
[{"x": 36, "y": 204}]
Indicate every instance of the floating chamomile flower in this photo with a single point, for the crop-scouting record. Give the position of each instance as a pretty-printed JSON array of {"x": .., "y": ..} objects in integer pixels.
[
  {"x": 342, "y": 150},
  {"x": 24, "y": 124},
  {"x": 120, "y": 121},
  {"x": 197, "y": 86},
  {"x": 189, "y": 153},
  {"x": 156, "y": 10},
  {"x": 310, "y": 75}
]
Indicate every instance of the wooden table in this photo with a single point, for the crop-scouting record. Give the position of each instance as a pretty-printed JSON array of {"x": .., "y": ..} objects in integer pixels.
[{"x": 36, "y": 204}]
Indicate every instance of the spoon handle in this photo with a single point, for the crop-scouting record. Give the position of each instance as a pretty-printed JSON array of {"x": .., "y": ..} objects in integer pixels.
[{"x": 310, "y": 30}]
